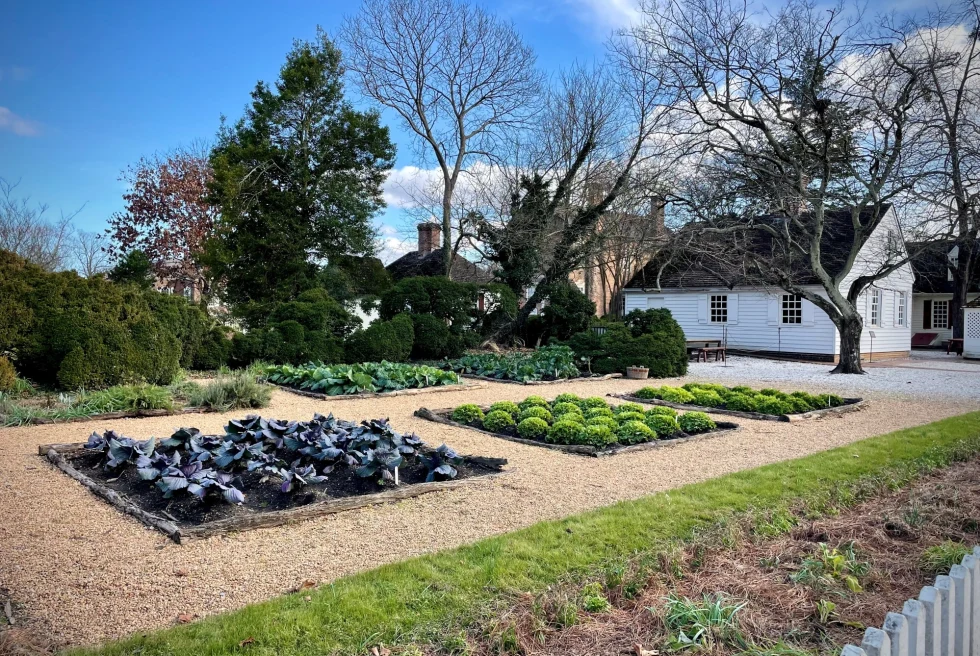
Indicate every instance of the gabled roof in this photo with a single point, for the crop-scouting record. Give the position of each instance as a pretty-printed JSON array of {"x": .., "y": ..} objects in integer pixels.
[
  {"x": 931, "y": 267},
  {"x": 694, "y": 268},
  {"x": 415, "y": 264}
]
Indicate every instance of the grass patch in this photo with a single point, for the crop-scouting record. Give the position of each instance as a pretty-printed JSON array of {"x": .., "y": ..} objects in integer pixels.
[
  {"x": 941, "y": 558},
  {"x": 423, "y": 598}
]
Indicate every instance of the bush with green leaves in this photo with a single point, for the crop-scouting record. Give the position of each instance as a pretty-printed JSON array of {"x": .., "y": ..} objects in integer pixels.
[
  {"x": 498, "y": 421},
  {"x": 389, "y": 341},
  {"x": 695, "y": 422},
  {"x": 661, "y": 410},
  {"x": 609, "y": 422},
  {"x": 828, "y": 401},
  {"x": 8, "y": 375},
  {"x": 707, "y": 398},
  {"x": 545, "y": 363},
  {"x": 648, "y": 393},
  {"x": 797, "y": 404},
  {"x": 598, "y": 435},
  {"x": 741, "y": 402},
  {"x": 650, "y": 338},
  {"x": 604, "y": 411},
  {"x": 565, "y": 432},
  {"x": 533, "y": 428},
  {"x": 567, "y": 398},
  {"x": 628, "y": 406},
  {"x": 662, "y": 425},
  {"x": 533, "y": 400},
  {"x": 227, "y": 392},
  {"x": 676, "y": 395},
  {"x": 594, "y": 402},
  {"x": 506, "y": 406},
  {"x": 468, "y": 413},
  {"x": 367, "y": 377},
  {"x": 635, "y": 432},
  {"x": 630, "y": 416},
  {"x": 564, "y": 408},
  {"x": 537, "y": 411},
  {"x": 771, "y": 405}
]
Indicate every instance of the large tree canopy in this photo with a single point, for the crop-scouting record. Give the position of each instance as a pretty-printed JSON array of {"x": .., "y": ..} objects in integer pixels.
[{"x": 297, "y": 179}]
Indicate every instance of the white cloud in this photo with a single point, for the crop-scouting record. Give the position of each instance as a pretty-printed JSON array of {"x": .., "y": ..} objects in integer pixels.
[
  {"x": 390, "y": 245},
  {"x": 606, "y": 15},
  {"x": 17, "y": 124}
]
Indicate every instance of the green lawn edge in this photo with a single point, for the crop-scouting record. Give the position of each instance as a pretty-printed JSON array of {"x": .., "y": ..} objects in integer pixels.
[{"x": 420, "y": 595}]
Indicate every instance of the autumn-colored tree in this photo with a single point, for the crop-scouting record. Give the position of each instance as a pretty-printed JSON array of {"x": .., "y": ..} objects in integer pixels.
[{"x": 167, "y": 216}]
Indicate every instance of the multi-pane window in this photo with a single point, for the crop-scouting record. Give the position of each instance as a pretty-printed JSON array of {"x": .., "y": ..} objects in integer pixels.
[
  {"x": 792, "y": 308},
  {"x": 719, "y": 309},
  {"x": 940, "y": 314},
  {"x": 900, "y": 309},
  {"x": 875, "y": 307}
]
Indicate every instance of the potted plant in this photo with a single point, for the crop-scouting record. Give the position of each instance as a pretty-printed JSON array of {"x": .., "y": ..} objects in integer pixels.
[{"x": 637, "y": 372}]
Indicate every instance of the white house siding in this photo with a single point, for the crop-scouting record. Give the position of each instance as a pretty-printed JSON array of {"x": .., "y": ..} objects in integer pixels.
[
  {"x": 753, "y": 321},
  {"x": 918, "y": 315}
]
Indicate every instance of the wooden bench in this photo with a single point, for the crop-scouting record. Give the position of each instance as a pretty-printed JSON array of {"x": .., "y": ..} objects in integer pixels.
[
  {"x": 719, "y": 352},
  {"x": 955, "y": 344}
]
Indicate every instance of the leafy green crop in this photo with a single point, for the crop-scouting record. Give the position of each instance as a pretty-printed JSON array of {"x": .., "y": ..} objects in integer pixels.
[
  {"x": 743, "y": 399},
  {"x": 545, "y": 363},
  {"x": 367, "y": 377}
]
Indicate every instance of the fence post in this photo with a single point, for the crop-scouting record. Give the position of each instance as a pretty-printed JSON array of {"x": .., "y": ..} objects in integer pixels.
[
  {"x": 851, "y": 650},
  {"x": 876, "y": 642},
  {"x": 932, "y": 602},
  {"x": 914, "y": 613},
  {"x": 962, "y": 586},
  {"x": 972, "y": 563},
  {"x": 898, "y": 634},
  {"x": 947, "y": 590}
]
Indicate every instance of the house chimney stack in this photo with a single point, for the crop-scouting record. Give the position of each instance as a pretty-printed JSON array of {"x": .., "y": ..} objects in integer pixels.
[
  {"x": 657, "y": 206},
  {"x": 430, "y": 238}
]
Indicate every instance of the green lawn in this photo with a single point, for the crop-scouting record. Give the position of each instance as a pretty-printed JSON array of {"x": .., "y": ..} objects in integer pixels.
[{"x": 421, "y": 595}]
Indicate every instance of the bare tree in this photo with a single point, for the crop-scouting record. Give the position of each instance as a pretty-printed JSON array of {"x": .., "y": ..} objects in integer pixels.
[
  {"x": 949, "y": 40},
  {"x": 27, "y": 232},
  {"x": 89, "y": 253},
  {"x": 456, "y": 75},
  {"x": 788, "y": 120}
]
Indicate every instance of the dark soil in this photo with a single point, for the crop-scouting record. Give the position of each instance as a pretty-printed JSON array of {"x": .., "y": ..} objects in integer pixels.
[
  {"x": 890, "y": 532},
  {"x": 260, "y": 495}
]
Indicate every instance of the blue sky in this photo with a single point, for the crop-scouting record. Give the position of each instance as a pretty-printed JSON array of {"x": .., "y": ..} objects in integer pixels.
[{"x": 87, "y": 88}]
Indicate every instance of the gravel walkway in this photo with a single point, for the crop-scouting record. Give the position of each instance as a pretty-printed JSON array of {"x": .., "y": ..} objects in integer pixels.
[{"x": 78, "y": 571}]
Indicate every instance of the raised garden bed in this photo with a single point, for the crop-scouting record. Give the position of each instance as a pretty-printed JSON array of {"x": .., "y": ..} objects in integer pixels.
[
  {"x": 285, "y": 472},
  {"x": 542, "y": 366},
  {"x": 555, "y": 381},
  {"x": 365, "y": 380},
  {"x": 459, "y": 387},
  {"x": 696, "y": 397},
  {"x": 575, "y": 433}
]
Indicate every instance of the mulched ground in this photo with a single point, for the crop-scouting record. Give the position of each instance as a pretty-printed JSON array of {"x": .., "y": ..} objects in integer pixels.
[
  {"x": 890, "y": 532},
  {"x": 262, "y": 492}
]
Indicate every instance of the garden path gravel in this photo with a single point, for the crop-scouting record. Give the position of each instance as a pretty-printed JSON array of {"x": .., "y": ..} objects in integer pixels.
[{"x": 77, "y": 571}]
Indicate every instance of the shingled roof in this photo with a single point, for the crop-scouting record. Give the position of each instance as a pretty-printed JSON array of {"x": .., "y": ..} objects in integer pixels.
[
  {"x": 931, "y": 266},
  {"x": 694, "y": 269},
  {"x": 427, "y": 261}
]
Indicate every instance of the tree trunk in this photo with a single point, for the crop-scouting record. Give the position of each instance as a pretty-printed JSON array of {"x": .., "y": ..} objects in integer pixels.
[
  {"x": 850, "y": 346},
  {"x": 447, "y": 232},
  {"x": 962, "y": 280}
]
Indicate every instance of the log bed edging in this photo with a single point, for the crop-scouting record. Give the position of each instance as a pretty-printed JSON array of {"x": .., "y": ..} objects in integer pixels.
[
  {"x": 55, "y": 454},
  {"x": 437, "y": 416},
  {"x": 850, "y": 405}
]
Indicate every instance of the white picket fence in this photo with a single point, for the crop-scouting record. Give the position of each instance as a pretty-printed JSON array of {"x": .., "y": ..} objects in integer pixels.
[{"x": 943, "y": 621}]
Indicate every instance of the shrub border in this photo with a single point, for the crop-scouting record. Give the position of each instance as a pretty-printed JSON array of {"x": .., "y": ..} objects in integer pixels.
[
  {"x": 55, "y": 453},
  {"x": 589, "y": 379},
  {"x": 850, "y": 405},
  {"x": 431, "y": 389},
  {"x": 441, "y": 416}
]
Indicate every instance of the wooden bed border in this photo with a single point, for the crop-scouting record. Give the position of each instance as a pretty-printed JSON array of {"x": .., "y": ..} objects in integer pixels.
[
  {"x": 439, "y": 416},
  {"x": 850, "y": 405},
  {"x": 458, "y": 387},
  {"x": 580, "y": 379},
  {"x": 55, "y": 453}
]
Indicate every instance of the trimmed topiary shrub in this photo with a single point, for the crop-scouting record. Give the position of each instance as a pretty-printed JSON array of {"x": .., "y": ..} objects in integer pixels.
[
  {"x": 533, "y": 428},
  {"x": 536, "y": 411},
  {"x": 695, "y": 422},
  {"x": 741, "y": 402},
  {"x": 382, "y": 340},
  {"x": 432, "y": 339},
  {"x": 498, "y": 421},
  {"x": 532, "y": 401},
  {"x": 676, "y": 395},
  {"x": 661, "y": 410},
  {"x": 707, "y": 398},
  {"x": 598, "y": 435},
  {"x": 468, "y": 413},
  {"x": 565, "y": 432},
  {"x": 623, "y": 417},
  {"x": 634, "y": 432},
  {"x": 506, "y": 406},
  {"x": 628, "y": 407},
  {"x": 8, "y": 375},
  {"x": 604, "y": 411},
  {"x": 662, "y": 425}
]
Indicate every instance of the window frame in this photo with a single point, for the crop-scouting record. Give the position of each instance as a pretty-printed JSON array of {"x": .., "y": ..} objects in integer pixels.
[
  {"x": 901, "y": 311},
  {"x": 874, "y": 312},
  {"x": 944, "y": 324},
  {"x": 787, "y": 312},
  {"x": 722, "y": 308}
]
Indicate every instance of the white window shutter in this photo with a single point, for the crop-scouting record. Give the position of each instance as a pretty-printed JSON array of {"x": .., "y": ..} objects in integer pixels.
[
  {"x": 702, "y": 308},
  {"x": 733, "y": 308},
  {"x": 773, "y": 314},
  {"x": 808, "y": 309},
  {"x": 867, "y": 306},
  {"x": 896, "y": 299}
]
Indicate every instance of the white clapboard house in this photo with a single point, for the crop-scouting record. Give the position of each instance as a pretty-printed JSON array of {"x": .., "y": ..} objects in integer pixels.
[
  {"x": 713, "y": 304},
  {"x": 932, "y": 293}
]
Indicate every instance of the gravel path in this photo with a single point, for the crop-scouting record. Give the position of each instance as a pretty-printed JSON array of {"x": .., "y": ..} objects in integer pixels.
[{"x": 80, "y": 572}]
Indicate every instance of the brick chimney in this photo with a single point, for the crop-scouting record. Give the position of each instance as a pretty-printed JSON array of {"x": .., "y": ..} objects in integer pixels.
[
  {"x": 657, "y": 206},
  {"x": 430, "y": 238}
]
